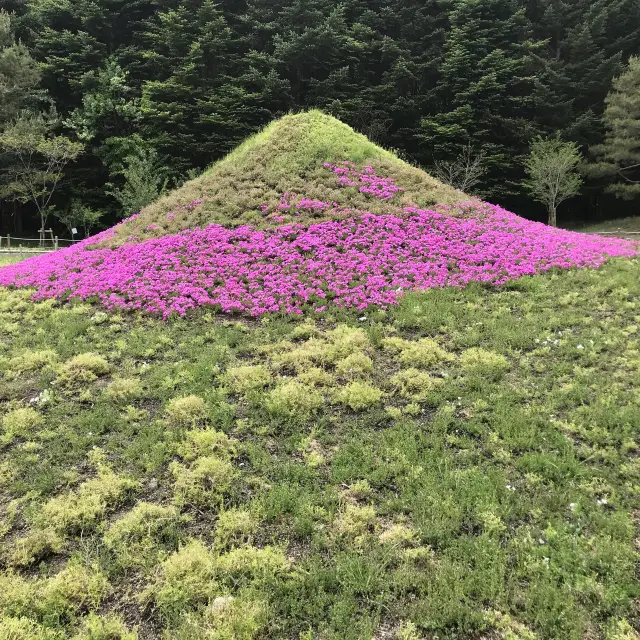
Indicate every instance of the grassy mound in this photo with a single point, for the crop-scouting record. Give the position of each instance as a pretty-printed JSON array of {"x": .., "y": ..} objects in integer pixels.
[{"x": 286, "y": 157}]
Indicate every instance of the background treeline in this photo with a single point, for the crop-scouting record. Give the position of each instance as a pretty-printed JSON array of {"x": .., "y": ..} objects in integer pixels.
[{"x": 155, "y": 90}]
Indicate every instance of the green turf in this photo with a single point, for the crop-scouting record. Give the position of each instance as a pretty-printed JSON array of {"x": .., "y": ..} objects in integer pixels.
[
  {"x": 286, "y": 157},
  {"x": 621, "y": 225},
  {"x": 464, "y": 465}
]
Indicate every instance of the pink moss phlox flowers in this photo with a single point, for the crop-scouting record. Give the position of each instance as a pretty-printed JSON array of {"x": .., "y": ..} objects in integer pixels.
[
  {"x": 366, "y": 180},
  {"x": 352, "y": 263}
]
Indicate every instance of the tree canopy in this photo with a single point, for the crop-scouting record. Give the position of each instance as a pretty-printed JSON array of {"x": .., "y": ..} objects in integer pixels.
[{"x": 189, "y": 79}]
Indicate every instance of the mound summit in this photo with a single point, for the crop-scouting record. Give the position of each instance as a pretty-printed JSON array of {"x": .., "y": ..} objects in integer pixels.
[{"x": 304, "y": 215}]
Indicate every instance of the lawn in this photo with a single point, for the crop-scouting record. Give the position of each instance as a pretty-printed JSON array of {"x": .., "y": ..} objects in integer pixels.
[
  {"x": 6, "y": 259},
  {"x": 622, "y": 225},
  {"x": 462, "y": 465}
]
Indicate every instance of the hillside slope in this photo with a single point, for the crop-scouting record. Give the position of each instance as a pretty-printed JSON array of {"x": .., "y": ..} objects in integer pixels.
[{"x": 286, "y": 158}]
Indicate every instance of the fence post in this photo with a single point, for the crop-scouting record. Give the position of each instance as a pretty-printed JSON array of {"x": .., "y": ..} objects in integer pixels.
[
  {"x": 55, "y": 243},
  {"x": 0, "y": 242},
  {"x": 8, "y": 241}
]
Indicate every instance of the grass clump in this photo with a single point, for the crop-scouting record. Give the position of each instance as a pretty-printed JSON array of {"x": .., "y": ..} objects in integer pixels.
[
  {"x": 359, "y": 395},
  {"x": 293, "y": 399},
  {"x": 354, "y": 521},
  {"x": 251, "y": 565},
  {"x": 107, "y": 627},
  {"x": 355, "y": 365},
  {"x": 30, "y": 361},
  {"x": 20, "y": 422},
  {"x": 226, "y": 618},
  {"x": 484, "y": 364},
  {"x": 185, "y": 580},
  {"x": 82, "y": 369},
  {"x": 124, "y": 390},
  {"x": 247, "y": 378},
  {"x": 139, "y": 536},
  {"x": 186, "y": 411},
  {"x": 82, "y": 509},
  {"x": 206, "y": 442},
  {"x": 235, "y": 527},
  {"x": 73, "y": 589},
  {"x": 202, "y": 483},
  {"x": 26, "y": 629},
  {"x": 316, "y": 377},
  {"x": 416, "y": 384},
  {"x": 423, "y": 353}
]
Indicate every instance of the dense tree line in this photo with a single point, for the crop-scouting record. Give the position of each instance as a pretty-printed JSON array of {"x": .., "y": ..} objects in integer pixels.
[{"x": 155, "y": 90}]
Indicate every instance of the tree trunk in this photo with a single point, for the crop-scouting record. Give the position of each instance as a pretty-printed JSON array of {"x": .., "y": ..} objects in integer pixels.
[{"x": 553, "y": 221}]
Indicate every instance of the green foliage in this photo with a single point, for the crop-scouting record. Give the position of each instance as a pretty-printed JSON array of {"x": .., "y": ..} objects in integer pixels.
[
  {"x": 144, "y": 178},
  {"x": 619, "y": 154},
  {"x": 484, "y": 364},
  {"x": 359, "y": 395},
  {"x": 186, "y": 411},
  {"x": 124, "y": 390},
  {"x": 488, "y": 493},
  {"x": 38, "y": 160},
  {"x": 20, "y": 422},
  {"x": 109, "y": 627},
  {"x": 138, "y": 536},
  {"x": 552, "y": 170},
  {"x": 247, "y": 378},
  {"x": 185, "y": 579},
  {"x": 293, "y": 398},
  {"x": 82, "y": 369}
]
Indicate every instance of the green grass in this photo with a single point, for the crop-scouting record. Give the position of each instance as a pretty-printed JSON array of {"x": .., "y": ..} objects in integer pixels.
[
  {"x": 286, "y": 156},
  {"x": 6, "y": 259},
  {"x": 464, "y": 465},
  {"x": 622, "y": 225}
]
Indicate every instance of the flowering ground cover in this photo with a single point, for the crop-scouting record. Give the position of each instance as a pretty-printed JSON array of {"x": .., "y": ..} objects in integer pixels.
[
  {"x": 463, "y": 464},
  {"x": 352, "y": 262}
]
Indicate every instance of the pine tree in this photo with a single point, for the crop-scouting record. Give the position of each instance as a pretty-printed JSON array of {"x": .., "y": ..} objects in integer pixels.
[
  {"x": 485, "y": 89},
  {"x": 620, "y": 153}
]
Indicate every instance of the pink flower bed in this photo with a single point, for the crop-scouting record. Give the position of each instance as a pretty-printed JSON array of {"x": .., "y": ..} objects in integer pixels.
[{"x": 357, "y": 262}]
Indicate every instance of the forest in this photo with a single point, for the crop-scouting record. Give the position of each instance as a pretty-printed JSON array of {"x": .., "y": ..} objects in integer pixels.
[{"x": 106, "y": 104}]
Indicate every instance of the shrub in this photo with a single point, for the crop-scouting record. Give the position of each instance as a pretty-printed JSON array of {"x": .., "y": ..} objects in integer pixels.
[
  {"x": 20, "y": 422},
  {"x": 136, "y": 535},
  {"x": 414, "y": 383},
  {"x": 26, "y": 629},
  {"x": 71, "y": 590},
  {"x": 206, "y": 442},
  {"x": 355, "y": 364},
  {"x": 234, "y": 527},
  {"x": 185, "y": 579},
  {"x": 293, "y": 399},
  {"x": 82, "y": 369},
  {"x": 107, "y": 627},
  {"x": 124, "y": 390},
  {"x": 359, "y": 395},
  {"x": 186, "y": 411},
  {"x": 226, "y": 618},
  {"x": 247, "y": 378},
  {"x": 485, "y": 364},
  {"x": 204, "y": 482}
]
